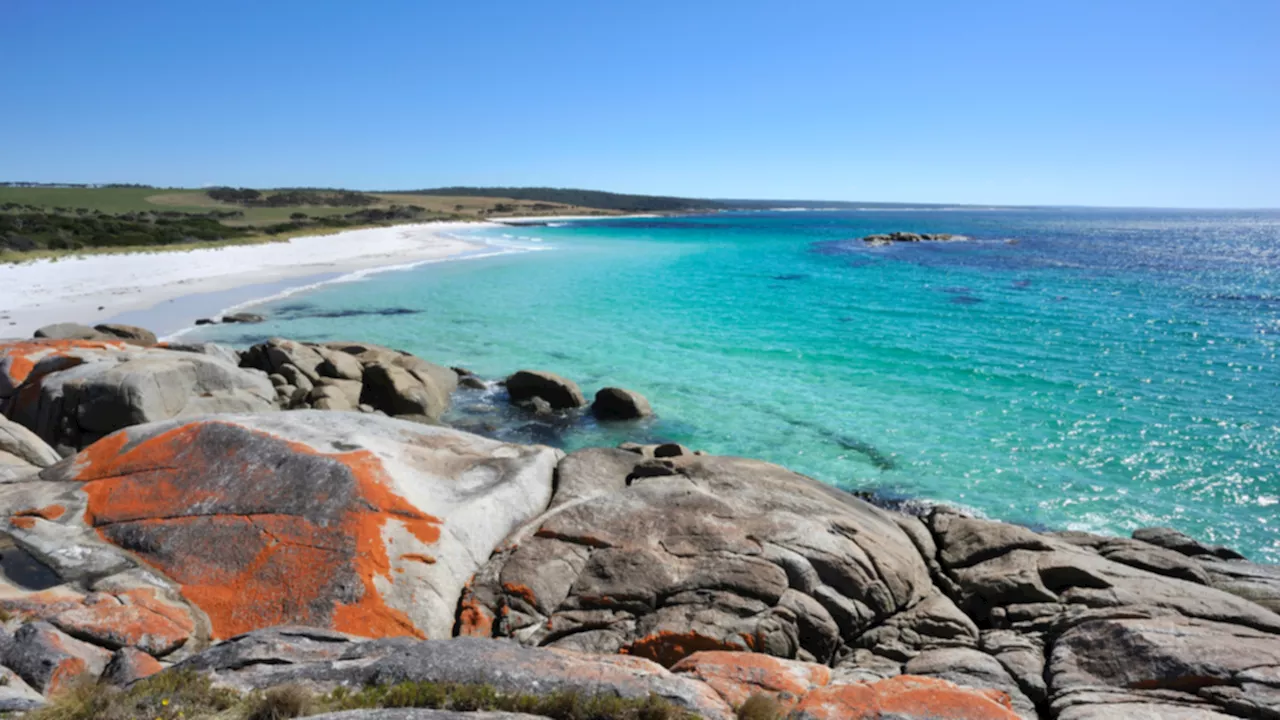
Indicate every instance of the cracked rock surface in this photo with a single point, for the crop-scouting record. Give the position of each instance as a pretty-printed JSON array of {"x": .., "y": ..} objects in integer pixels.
[
  {"x": 138, "y": 532},
  {"x": 661, "y": 557}
]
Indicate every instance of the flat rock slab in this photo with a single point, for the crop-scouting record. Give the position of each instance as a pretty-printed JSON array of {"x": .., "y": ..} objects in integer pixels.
[
  {"x": 709, "y": 684},
  {"x": 904, "y": 698},
  {"x": 324, "y": 660},
  {"x": 417, "y": 714}
]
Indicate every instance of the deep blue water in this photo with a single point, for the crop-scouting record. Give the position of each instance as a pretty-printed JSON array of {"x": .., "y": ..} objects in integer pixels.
[{"x": 1066, "y": 368}]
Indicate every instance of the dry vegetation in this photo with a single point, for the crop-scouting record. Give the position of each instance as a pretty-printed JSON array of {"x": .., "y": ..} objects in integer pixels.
[{"x": 177, "y": 695}]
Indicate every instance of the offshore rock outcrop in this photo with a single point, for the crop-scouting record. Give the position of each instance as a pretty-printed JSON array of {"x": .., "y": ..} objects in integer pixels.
[
  {"x": 909, "y": 237},
  {"x": 631, "y": 570}
]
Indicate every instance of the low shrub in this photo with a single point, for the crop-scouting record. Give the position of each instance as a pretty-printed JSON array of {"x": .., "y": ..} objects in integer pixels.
[{"x": 760, "y": 707}]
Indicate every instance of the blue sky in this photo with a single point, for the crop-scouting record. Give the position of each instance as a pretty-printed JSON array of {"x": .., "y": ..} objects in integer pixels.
[{"x": 1120, "y": 102}]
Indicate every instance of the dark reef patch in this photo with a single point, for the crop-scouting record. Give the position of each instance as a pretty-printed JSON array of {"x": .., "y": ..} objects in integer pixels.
[{"x": 355, "y": 312}]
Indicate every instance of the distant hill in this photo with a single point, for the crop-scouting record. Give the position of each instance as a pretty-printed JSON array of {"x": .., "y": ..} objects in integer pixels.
[
  {"x": 583, "y": 198},
  {"x": 823, "y": 204},
  {"x": 43, "y": 219}
]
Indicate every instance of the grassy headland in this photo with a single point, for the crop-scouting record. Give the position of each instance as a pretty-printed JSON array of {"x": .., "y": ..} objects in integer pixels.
[{"x": 47, "y": 221}]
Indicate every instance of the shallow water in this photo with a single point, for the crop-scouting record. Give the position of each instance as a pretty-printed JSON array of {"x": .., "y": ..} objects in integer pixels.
[{"x": 1088, "y": 369}]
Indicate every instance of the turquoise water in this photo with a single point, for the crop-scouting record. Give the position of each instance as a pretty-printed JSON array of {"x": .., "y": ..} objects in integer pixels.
[{"x": 1082, "y": 369}]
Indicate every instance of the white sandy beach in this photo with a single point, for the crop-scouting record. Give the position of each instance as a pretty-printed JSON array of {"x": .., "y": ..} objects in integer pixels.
[{"x": 98, "y": 288}]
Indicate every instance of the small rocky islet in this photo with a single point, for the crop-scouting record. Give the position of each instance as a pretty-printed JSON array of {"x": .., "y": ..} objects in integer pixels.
[
  {"x": 297, "y": 515},
  {"x": 882, "y": 239}
]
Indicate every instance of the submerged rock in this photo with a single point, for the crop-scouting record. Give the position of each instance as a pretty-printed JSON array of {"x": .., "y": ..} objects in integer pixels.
[
  {"x": 560, "y": 393},
  {"x": 613, "y": 403},
  {"x": 243, "y": 317}
]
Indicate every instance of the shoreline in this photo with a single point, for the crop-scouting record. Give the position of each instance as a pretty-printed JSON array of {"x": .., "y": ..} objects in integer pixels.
[{"x": 168, "y": 291}]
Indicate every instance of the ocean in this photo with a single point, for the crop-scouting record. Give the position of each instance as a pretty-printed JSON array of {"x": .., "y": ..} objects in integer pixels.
[{"x": 1089, "y": 369}]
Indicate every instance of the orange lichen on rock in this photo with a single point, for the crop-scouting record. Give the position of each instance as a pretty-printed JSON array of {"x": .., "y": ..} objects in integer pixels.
[
  {"x": 907, "y": 697},
  {"x": 51, "y": 512},
  {"x": 42, "y": 605},
  {"x": 22, "y": 522},
  {"x": 134, "y": 665},
  {"x": 668, "y": 648},
  {"x": 474, "y": 619},
  {"x": 257, "y": 530},
  {"x": 150, "y": 599},
  {"x": 523, "y": 592},
  {"x": 736, "y": 676},
  {"x": 113, "y": 625},
  {"x": 68, "y": 671},
  {"x": 132, "y": 618},
  {"x": 18, "y": 359}
]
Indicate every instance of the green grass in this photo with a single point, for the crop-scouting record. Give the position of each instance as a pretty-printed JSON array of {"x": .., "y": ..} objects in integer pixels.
[
  {"x": 122, "y": 200},
  {"x": 188, "y": 200},
  {"x": 178, "y": 695},
  {"x": 63, "y": 222},
  {"x": 108, "y": 200},
  {"x": 70, "y": 255},
  {"x": 166, "y": 696}
]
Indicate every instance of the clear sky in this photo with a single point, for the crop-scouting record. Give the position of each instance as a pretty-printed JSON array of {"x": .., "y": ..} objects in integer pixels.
[{"x": 1114, "y": 102}]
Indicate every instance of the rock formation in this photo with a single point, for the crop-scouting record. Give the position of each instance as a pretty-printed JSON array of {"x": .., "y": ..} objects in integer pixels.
[
  {"x": 909, "y": 237},
  {"x": 629, "y": 571},
  {"x": 347, "y": 376},
  {"x": 340, "y": 520},
  {"x": 72, "y": 393},
  {"x": 613, "y": 403},
  {"x": 557, "y": 392}
]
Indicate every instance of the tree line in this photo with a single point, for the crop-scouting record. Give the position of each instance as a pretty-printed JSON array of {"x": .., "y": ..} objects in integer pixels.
[
  {"x": 583, "y": 198},
  {"x": 291, "y": 197}
]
